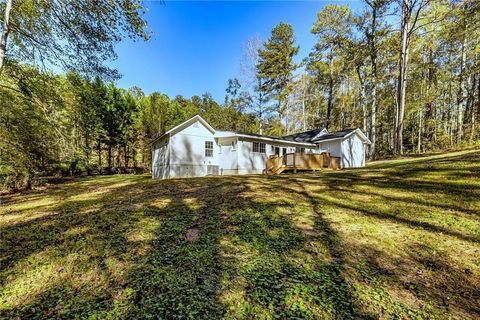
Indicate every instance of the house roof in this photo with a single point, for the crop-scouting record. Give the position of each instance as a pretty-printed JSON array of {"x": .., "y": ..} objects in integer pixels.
[
  {"x": 336, "y": 134},
  {"x": 186, "y": 124},
  {"x": 226, "y": 134},
  {"x": 307, "y": 138},
  {"x": 315, "y": 136}
]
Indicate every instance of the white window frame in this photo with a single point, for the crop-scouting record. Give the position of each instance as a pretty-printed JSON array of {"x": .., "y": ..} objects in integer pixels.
[
  {"x": 259, "y": 149},
  {"x": 207, "y": 148}
]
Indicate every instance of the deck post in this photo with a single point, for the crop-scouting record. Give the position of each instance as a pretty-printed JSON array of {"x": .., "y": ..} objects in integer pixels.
[{"x": 294, "y": 166}]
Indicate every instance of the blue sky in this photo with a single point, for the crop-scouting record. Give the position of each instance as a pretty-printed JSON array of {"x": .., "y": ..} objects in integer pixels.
[{"x": 197, "y": 45}]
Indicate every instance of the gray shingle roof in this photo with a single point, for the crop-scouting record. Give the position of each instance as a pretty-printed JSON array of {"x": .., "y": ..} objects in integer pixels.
[
  {"x": 306, "y": 136},
  {"x": 259, "y": 135},
  {"x": 309, "y": 136},
  {"x": 336, "y": 135}
]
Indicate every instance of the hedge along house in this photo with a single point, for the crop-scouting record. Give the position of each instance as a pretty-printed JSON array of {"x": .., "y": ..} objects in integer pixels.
[{"x": 194, "y": 148}]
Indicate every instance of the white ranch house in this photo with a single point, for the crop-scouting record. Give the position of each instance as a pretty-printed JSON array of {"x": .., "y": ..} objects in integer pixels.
[{"x": 194, "y": 149}]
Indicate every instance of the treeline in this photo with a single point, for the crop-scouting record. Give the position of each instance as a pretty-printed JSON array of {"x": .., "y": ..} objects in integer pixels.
[
  {"x": 52, "y": 124},
  {"x": 407, "y": 72},
  {"x": 66, "y": 125}
]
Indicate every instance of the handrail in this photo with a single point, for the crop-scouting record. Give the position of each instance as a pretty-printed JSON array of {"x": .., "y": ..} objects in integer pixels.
[
  {"x": 294, "y": 161},
  {"x": 276, "y": 164}
]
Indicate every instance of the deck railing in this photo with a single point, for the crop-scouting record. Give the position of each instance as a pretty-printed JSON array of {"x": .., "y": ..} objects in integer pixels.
[{"x": 297, "y": 161}]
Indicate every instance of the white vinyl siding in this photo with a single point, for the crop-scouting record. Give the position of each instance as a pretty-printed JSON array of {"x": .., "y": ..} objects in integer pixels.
[
  {"x": 161, "y": 159},
  {"x": 353, "y": 152}
]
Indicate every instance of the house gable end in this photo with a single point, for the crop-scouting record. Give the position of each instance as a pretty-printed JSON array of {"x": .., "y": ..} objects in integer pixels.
[
  {"x": 360, "y": 135},
  {"x": 324, "y": 131},
  {"x": 192, "y": 121},
  {"x": 194, "y": 128}
]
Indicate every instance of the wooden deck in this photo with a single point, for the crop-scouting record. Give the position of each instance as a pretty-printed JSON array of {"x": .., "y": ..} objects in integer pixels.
[{"x": 300, "y": 162}]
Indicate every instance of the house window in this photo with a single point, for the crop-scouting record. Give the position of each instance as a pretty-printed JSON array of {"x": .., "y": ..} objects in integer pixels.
[
  {"x": 234, "y": 145},
  {"x": 259, "y": 147},
  {"x": 208, "y": 148},
  {"x": 300, "y": 149}
]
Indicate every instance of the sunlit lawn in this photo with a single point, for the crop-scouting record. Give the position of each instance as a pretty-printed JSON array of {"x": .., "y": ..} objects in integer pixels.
[{"x": 398, "y": 240}]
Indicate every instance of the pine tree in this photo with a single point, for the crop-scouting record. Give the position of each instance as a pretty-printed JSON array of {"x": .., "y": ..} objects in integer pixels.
[
  {"x": 328, "y": 60},
  {"x": 275, "y": 66}
]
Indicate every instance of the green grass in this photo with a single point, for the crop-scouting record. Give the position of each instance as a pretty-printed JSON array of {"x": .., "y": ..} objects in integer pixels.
[{"x": 396, "y": 240}]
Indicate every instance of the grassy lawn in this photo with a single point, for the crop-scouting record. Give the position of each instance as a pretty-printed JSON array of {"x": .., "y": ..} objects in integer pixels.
[{"x": 396, "y": 240}]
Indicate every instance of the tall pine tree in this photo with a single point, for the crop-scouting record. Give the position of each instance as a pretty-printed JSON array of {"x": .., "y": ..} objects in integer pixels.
[{"x": 275, "y": 65}]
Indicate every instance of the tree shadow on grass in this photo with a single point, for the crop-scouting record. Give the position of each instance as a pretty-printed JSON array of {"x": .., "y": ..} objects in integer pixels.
[
  {"x": 201, "y": 248},
  {"x": 180, "y": 276},
  {"x": 288, "y": 277},
  {"x": 95, "y": 256},
  {"x": 439, "y": 280},
  {"x": 433, "y": 277},
  {"x": 160, "y": 249},
  {"x": 448, "y": 284},
  {"x": 437, "y": 195},
  {"x": 421, "y": 163}
]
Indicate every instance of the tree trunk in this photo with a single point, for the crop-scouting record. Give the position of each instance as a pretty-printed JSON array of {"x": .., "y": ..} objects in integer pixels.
[
  {"x": 373, "y": 59},
  {"x": 470, "y": 111},
  {"x": 362, "y": 99},
  {"x": 99, "y": 157},
  {"x": 134, "y": 157},
  {"x": 5, "y": 32},
  {"x": 373, "y": 116},
  {"x": 330, "y": 94},
  {"x": 402, "y": 75},
  {"x": 28, "y": 186},
  {"x": 373, "y": 121},
  {"x": 117, "y": 158},
  {"x": 449, "y": 112},
  {"x": 125, "y": 151},
  {"x": 87, "y": 154},
  {"x": 463, "y": 86},
  {"x": 429, "y": 116},
  {"x": 260, "y": 105},
  {"x": 477, "y": 112},
  {"x": 304, "y": 118},
  {"x": 419, "y": 142},
  {"x": 109, "y": 157}
]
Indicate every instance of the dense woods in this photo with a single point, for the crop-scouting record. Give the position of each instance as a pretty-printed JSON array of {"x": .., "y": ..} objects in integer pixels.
[{"x": 407, "y": 72}]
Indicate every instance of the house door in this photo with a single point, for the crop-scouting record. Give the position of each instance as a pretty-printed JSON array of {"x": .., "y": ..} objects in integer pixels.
[
  {"x": 277, "y": 151},
  {"x": 284, "y": 151}
]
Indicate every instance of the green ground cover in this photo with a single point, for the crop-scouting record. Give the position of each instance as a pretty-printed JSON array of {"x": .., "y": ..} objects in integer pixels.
[{"x": 395, "y": 240}]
